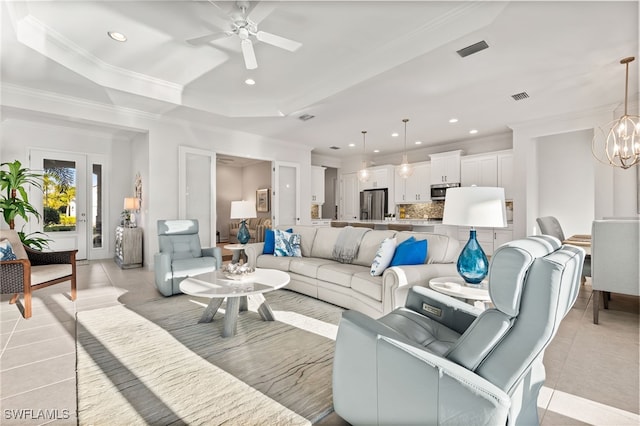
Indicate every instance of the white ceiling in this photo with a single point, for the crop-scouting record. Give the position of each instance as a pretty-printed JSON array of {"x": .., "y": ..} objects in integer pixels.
[{"x": 363, "y": 65}]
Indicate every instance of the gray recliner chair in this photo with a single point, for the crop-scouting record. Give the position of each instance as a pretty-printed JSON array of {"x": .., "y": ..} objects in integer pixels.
[
  {"x": 181, "y": 256},
  {"x": 441, "y": 361},
  {"x": 549, "y": 225}
]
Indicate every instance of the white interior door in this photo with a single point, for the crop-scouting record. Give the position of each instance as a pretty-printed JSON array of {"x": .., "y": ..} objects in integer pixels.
[
  {"x": 197, "y": 191},
  {"x": 64, "y": 200},
  {"x": 286, "y": 193}
]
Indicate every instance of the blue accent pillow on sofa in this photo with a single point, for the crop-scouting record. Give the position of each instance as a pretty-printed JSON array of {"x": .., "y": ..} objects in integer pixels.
[
  {"x": 270, "y": 241},
  {"x": 410, "y": 252}
]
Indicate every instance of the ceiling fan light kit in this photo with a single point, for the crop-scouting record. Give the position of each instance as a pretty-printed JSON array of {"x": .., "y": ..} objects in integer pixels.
[
  {"x": 621, "y": 143},
  {"x": 242, "y": 25}
]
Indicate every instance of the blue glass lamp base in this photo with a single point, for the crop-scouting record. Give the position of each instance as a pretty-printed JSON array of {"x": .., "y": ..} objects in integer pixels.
[
  {"x": 243, "y": 233},
  {"x": 473, "y": 265}
]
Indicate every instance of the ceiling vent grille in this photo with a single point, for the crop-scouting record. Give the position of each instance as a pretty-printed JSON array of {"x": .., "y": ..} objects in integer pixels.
[
  {"x": 474, "y": 48},
  {"x": 305, "y": 117},
  {"x": 334, "y": 147},
  {"x": 520, "y": 96}
]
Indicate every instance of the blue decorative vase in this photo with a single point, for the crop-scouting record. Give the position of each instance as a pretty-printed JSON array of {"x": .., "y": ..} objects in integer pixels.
[
  {"x": 243, "y": 233},
  {"x": 473, "y": 265}
]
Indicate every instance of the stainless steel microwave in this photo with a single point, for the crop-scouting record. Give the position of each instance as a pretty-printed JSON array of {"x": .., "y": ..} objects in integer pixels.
[{"x": 439, "y": 191}]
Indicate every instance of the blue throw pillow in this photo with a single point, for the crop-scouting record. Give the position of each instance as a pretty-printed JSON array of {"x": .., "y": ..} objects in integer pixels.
[
  {"x": 270, "y": 241},
  {"x": 410, "y": 252}
]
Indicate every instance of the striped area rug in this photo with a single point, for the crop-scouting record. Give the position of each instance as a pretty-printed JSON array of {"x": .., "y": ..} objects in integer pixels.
[{"x": 154, "y": 364}]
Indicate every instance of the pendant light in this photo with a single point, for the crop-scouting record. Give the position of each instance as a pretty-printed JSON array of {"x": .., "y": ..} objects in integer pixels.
[
  {"x": 405, "y": 169},
  {"x": 363, "y": 173},
  {"x": 621, "y": 145}
]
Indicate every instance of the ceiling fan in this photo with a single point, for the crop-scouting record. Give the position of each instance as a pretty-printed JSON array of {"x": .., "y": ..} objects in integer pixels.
[{"x": 244, "y": 24}]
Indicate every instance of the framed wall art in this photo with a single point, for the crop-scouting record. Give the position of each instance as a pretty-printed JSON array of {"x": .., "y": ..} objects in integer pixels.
[{"x": 263, "y": 200}]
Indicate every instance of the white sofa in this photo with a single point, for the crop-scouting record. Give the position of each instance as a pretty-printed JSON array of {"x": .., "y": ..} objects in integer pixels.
[{"x": 351, "y": 285}]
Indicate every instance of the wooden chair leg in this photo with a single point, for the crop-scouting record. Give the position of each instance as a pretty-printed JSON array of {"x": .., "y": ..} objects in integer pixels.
[
  {"x": 596, "y": 305},
  {"x": 27, "y": 305},
  {"x": 14, "y": 299},
  {"x": 73, "y": 288}
]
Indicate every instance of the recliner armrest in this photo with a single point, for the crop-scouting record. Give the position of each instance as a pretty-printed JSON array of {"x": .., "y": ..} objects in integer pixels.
[
  {"x": 446, "y": 310},
  {"x": 214, "y": 252}
]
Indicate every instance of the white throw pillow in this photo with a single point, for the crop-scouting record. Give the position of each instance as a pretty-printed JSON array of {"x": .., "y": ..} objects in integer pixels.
[{"x": 383, "y": 256}]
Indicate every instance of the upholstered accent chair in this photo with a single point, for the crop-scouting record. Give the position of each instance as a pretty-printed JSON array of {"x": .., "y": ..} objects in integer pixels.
[
  {"x": 438, "y": 360},
  {"x": 256, "y": 226},
  {"x": 33, "y": 270},
  {"x": 549, "y": 225},
  {"x": 615, "y": 254},
  {"x": 181, "y": 255}
]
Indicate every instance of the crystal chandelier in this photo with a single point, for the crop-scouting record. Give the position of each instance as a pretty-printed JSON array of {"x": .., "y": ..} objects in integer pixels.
[
  {"x": 621, "y": 144},
  {"x": 405, "y": 169},
  {"x": 363, "y": 173}
]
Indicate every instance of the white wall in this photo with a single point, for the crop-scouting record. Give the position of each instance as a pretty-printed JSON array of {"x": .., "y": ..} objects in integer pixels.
[
  {"x": 254, "y": 177},
  {"x": 566, "y": 180}
]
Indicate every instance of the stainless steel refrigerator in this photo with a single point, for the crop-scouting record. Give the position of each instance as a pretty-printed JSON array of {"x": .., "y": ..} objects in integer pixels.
[{"x": 373, "y": 204}]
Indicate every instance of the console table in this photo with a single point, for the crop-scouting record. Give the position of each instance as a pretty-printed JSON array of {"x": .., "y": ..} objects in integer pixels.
[{"x": 128, "y": 247}]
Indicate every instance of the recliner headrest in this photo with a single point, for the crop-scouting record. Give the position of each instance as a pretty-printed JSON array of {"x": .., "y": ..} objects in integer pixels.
[
  {"x": 508, "y": 269},
  {"x": 178, "y": 227}
]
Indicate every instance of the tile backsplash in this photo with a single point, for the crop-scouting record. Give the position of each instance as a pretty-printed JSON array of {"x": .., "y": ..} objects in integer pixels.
[{"x": 432, "y": 210}]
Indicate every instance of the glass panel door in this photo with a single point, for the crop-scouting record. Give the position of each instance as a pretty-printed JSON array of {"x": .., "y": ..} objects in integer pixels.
[
  {"x": 286, "y": 181},
  {"x": 196, "y": 177}
]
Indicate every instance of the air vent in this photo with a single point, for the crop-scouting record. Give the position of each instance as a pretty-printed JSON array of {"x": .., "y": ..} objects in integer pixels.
[
  {"x": 520, "y": 96},
  {"x": 305, "y": 117},
  {"x": 334, "y": 147},
  {"x": 474, "y": 48}
]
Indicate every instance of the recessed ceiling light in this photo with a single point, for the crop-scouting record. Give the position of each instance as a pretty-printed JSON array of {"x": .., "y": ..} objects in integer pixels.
[
  {"x": 351, "y": 145},
  {"x": 418, "y": 142},
  {"x": 117, "y": 36},
  {"x": 473, "y": 131},
  {"x": 250, "y": 82},
  {"x": 394, "y": 135},
  {"x": 453, "y": 120},
  {"x": 376, "y": 150}
]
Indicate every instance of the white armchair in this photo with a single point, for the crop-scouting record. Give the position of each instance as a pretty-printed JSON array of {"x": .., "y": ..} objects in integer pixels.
[{"x": 615, "y": 266}]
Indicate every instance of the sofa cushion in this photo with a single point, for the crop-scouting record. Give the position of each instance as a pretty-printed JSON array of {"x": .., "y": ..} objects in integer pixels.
[
  {"x": 273, "y": 262},
  {"x": 307, "y": 266},
  {"x": 307, "y": 237},
  {"x": 339, "y": 273},
  {"x": 442, "y": 248},
  {"x": 369, "y": 246},
  {"x": 44, "y": 273},
  {"x": 410, "y": 252},
  {"x": 287, "y": 244},
  {"x": 324, "y": 242},
  {"x": 384, "y": 255},
  {"x": 366, "y": 284}
]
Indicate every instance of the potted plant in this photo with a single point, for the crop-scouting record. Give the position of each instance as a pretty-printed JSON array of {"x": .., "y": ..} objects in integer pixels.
[{"x": 14, "y": 200}]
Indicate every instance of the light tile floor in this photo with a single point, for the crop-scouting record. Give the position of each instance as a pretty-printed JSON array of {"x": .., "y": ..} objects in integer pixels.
[{"x": 592, "y": 370}]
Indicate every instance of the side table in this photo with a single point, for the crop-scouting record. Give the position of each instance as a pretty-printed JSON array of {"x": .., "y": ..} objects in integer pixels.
[
  {"x": 128, "y": 252},
  {"x": 238, "y": 252},
  {"x": 477, "y": 295}
]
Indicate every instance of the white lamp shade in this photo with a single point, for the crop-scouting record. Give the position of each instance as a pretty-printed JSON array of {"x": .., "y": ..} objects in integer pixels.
[
  {"x": 475, "y": 206},
  {"x": 131, "y": 203},
  {"x": 243, "y": 210}
]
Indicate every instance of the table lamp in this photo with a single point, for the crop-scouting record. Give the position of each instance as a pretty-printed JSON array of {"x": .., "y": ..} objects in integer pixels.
[
  {"x": 131, "y": 205},
  {"x": 243, "y": 210},
  {"x": 474, "y": 206}
]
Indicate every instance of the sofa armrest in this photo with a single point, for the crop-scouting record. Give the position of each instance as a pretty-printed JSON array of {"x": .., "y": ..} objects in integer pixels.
[
  {"x": 214, "y": 252},
  {"x": 397, "y": 280},
  {"x": 253, "y": 250}
]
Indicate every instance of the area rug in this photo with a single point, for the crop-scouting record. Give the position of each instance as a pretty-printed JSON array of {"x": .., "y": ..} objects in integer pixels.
[{"x": 154, "y": 364}]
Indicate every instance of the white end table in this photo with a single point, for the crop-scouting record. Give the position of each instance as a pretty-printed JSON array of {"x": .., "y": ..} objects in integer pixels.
[
  {"x": 477, "y": 295},
  {"x": 238, "y": 252}
]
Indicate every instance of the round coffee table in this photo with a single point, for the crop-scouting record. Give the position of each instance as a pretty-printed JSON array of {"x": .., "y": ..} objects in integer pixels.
[
  {"x": 456, "y": 287},
  {"x": 215, "y": 286}
]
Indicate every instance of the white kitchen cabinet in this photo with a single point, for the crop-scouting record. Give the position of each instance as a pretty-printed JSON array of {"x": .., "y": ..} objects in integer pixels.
[
  {"x": 505, "y": 173},
  {"x": 349, "y": 208},
  {"x": 445, "y": 167},
  {"x": 501, "y": 236},
  {"x": 488, "y": 238},
  {"x": 317, "y": 185},
  {"x": 479, "y": 170},
  {"x": 379, "y": 177},
  {"x": 416, "y": 188},
  {"x": 321, "y": 222}
]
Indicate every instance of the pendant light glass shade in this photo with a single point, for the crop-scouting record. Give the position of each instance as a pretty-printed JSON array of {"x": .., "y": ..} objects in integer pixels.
[
  {"x": 620, "y": 144},
  {"x": 405, "y": 170},
  {"x": 363, "y": 173}
]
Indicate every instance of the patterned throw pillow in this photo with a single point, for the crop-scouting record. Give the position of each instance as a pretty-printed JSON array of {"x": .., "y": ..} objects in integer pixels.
[
  {"x": 383, "y": 256},
  {"x": 6, "y": 251},
  {"x": 286, "y": 244},
  {"x": 270, "y": 241}
]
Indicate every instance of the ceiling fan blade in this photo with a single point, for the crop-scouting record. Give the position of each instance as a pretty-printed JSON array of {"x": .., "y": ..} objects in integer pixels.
[
  {"x": 260, "y": 11},
  {"x": 209, "y": 37},
  {"x": 275, "y": 40},
  {"x": 249, "y": 55}
]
